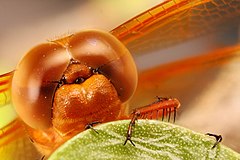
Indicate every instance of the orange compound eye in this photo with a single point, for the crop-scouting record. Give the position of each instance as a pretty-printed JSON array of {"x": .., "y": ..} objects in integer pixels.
[
  {"x": 32, "y": 86},
  {"x": 103, "y": 51},
  {"x": 34, "y": 82}
]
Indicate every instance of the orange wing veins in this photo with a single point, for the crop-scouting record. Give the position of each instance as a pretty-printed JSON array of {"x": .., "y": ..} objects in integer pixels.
[{"x": 5, "y": 82}]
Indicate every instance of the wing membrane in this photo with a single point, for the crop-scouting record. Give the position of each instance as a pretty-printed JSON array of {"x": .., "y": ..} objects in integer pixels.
[
  {"x": 176, "y": 21},
  {"x": 5, "y": 82},
  {"x": 171, "y": 22},
  {"x": 6, "y": 110},
  {"x": 207, "y": 87},
  {"x": 14, "y": 143}
]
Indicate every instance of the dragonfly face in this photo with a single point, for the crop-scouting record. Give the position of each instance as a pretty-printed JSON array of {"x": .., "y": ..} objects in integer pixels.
[
  {"x": 197, "y": 82},
  {"x": 90, "y": 69}
]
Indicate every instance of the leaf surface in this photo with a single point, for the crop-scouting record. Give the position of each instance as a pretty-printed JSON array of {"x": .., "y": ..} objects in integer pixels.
[{"x": 153, "y": 140}]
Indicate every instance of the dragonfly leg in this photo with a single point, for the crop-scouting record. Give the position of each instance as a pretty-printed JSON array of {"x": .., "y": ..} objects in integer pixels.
[
  {"x": 31, "y": 139},
  {"x": 136, "y": 114},
  {"x": 218, "y": 139},
  {"x": 162, "y": 107},
  {"x": 90, "y": 126},
  {"x": 167, "y": 105},
  {"x": 43, "y": 157}
]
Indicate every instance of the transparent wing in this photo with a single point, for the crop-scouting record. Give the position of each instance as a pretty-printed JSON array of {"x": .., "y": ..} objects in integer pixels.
[
  {"x": 207, "y": 87},
  {"x": 192, "y": 81},
  {"x": 14, "y": 143},
  {"x": 175, "y": 21},
  {"x": 206, "y": 80},
  {"x": 5, "y": 81}
]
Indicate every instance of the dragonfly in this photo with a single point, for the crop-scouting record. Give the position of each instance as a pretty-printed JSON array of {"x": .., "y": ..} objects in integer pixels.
[{"x": 206, "y": 84}]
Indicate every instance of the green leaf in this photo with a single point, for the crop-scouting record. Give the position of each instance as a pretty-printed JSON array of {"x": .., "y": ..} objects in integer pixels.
[{"x": 153, "y": 140}]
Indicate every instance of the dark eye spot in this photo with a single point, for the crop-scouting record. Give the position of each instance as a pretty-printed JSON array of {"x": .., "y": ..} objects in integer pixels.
[{"x": 79, "y": 80}]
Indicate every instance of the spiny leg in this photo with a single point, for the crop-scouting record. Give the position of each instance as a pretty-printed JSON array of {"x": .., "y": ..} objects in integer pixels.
[
  {"x": 169, "y": 115},
  {"x": 161, "y": 103},
  {"x": 175, "y": 113},
  {"x": 218, "y": 139},
  {"x": 163, "y": 112},
  {"x": 157, "y": 114},
  {"x": 151, "y": 115}
]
